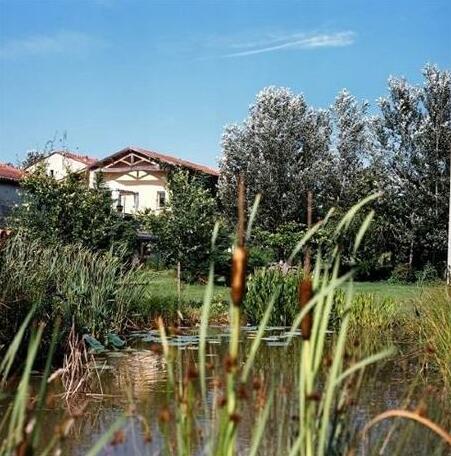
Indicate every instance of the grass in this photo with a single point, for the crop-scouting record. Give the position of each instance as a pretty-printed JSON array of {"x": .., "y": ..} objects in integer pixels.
[
  {"x": 399, "y": 292},
  {"x": 164, "y": 282}
]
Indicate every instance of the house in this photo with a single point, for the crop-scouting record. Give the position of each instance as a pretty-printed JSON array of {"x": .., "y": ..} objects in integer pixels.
[
  {"x": 136, "y": 177},
  {"x": 9, "y": 190},
  {"x": 59, "y": 162}
]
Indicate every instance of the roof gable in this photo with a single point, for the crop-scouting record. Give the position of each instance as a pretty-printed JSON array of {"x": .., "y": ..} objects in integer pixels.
[{"x": 153, "y": 156}]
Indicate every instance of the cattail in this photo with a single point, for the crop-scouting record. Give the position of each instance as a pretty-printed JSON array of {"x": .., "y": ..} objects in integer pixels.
[
  {"x": 239, "y": 258},
  {"x": 305, "y": 293},
  {"x": 305, "y": 288},
  {"x": 164, "y": 415},
  {"x": 238, "y": 283}
]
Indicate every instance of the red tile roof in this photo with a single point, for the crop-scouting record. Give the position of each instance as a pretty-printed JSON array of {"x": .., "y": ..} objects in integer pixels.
[
  {"x": 81, "y": 158},
  {"x": 159, "y": 157},
  {"x": 10, "y": 173}
]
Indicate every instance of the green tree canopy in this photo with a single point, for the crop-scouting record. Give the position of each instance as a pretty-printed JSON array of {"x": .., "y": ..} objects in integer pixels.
[{"x": 68, "y": 211}]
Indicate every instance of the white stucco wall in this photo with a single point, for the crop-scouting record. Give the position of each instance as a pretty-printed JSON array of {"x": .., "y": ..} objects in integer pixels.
[
  {"x": 59, "y": 164},
  {"x": 145, "y": 184}
]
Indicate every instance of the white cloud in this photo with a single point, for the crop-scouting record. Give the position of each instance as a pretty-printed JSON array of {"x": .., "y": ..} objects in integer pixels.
[
  {"x": 292, "y": 41},
  {"x": 57, "y": 43}
]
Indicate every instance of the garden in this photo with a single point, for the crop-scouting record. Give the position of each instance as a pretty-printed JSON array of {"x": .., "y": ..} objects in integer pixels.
[{"x": 299, "y": 307}]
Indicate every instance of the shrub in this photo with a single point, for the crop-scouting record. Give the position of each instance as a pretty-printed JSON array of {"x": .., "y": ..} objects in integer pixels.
[
  {"x": 427, "y": 274},
  {"x": 402, "y": 273},
  {"x": 259, "y": 257},
  {"x": 69, "y": 212},
  {"x": 260, "y": 288},
  {"x": 281, "y": 241}
]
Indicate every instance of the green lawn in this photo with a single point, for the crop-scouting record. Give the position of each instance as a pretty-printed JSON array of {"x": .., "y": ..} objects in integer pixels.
[
  {"x": 389, "y": 290},
  {"x": 164, "y": 282}
]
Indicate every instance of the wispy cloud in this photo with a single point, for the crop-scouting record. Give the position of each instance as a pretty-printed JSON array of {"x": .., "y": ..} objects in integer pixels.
[
  {"x": 292, "y": 41},
  {"x": 58, "y": 43}
]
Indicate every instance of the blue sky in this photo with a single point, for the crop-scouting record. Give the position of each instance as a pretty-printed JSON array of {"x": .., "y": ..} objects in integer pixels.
[{"x": 168, "y": 75}]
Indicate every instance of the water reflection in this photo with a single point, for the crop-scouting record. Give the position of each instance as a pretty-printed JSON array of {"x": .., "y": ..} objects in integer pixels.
[{"x": 133, "y": 381}]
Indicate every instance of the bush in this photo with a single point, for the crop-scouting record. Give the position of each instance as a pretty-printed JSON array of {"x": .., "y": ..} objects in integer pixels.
[
  {"x": 372, "y": 319},
  {"x": 151, "y": 305},
  {"x": 260, "y": 288},
  {"x": 427, "y": 274},
  {"x": 259, "y": 257},
  {"x": 69, "y": 212},
  {"x": 279, "y": 243},
  {"x": 402, "y": 273}
]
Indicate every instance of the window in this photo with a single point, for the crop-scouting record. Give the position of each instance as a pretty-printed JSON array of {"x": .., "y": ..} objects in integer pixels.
[
  {"x": 52, "y": 173},
  {"x": 161, "y": 199}
]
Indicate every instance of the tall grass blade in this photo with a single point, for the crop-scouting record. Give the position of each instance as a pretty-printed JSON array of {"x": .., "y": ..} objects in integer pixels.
[{"x": 256, "y": 342}]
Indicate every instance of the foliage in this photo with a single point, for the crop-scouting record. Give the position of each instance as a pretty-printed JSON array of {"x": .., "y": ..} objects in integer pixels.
[
  {"x": 402, "y": 273},
  {"x": 352, "y": 139},
  {"x": 261, "y": 285},
  {"x": 281, "y": 150},
  {"x": 68, "y": 211},
  {"x": 321, "y": 424},
  {"x": 91, "y": 290},
  {"x": 426, "y": 275},
  {"x": 280, "y": 241},
  {"x": 434, "y": 328},
  {"x": 285, "y": 148},
  {"x": 413, "y": 146},
  {"x": 184, "y": 228},
  {"x": 326, "y": 388},
  {"x": 372, "y": 319}
]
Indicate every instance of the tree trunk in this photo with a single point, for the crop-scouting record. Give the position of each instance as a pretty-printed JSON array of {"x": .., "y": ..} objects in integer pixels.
[
  {"x": 179, "y": 286},
  {"x": 411, "y": 255}
]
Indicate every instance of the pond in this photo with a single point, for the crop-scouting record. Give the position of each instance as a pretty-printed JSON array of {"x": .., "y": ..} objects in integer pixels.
[{"x": 134, "y": 381}]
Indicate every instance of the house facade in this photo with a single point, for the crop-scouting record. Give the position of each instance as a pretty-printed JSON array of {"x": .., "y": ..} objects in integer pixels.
[
  {"x": 136, "y": 177},
  {"x": 9, "y": 190},
  {"x": 60, "y": 162}
]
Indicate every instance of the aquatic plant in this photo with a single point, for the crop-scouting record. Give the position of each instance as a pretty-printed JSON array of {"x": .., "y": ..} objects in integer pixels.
[
  {"x": 260, "y": 287},
  {"x": 320, "y": 429},
  {"x": 433, "y": 325},
  {"x": 91, "y": 290}
]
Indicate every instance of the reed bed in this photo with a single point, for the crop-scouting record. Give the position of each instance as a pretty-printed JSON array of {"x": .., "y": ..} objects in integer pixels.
[
  {"x": 432, "y": 327},
  {"x": 90, "y": 290},
  {"x": 206, "y": 402}
]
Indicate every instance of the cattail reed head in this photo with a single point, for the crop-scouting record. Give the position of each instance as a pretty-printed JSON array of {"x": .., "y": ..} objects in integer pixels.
[
  {"x": 304, "y": 296},
  {"x": 238, "y": 283},
  {"x": 239, "y": 258},
  {"x": 305, "y": 288}
]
